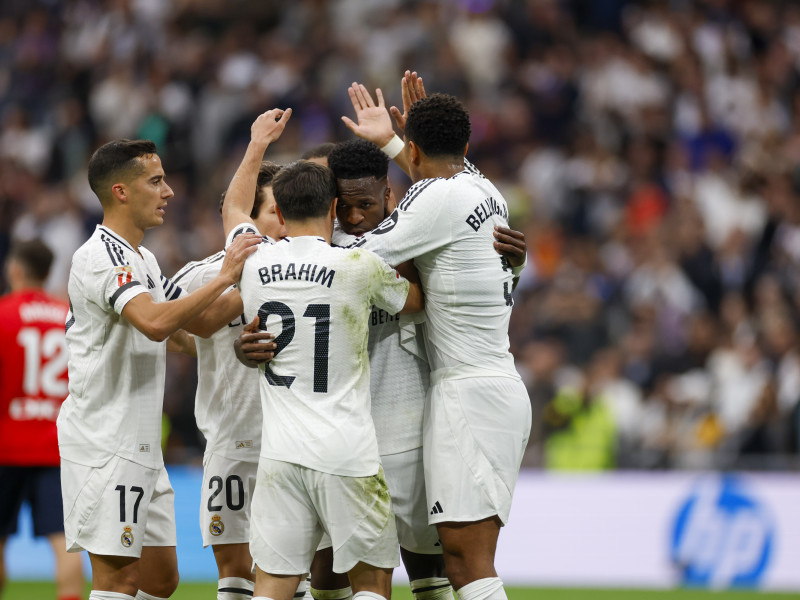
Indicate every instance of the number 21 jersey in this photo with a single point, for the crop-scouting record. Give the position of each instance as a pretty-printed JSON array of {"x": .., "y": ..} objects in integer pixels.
[{"x": 315, "y": 391}]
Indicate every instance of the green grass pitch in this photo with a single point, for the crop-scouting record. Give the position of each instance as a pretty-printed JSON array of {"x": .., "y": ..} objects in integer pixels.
[{"x": 36, "y": 590}]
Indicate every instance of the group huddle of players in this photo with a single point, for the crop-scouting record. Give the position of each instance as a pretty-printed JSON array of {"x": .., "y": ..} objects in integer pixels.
[{"x": 355, "y": 386}]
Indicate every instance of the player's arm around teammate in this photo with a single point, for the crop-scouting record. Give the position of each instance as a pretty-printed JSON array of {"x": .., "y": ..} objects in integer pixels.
[{"x": 113, "y": 477}]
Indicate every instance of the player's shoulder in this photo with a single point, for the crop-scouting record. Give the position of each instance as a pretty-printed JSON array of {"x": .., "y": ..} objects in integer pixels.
[
  {"x": 105, "y": 248},
  {"x": 424, "y": 188},
  {"x": 196, "y": 268}
]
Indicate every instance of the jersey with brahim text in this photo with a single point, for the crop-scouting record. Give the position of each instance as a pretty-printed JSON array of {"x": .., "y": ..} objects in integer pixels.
[
  {"x": 398, "y": 379},
  {"x": 446, "y": 226},
  {"x": 33, "y": 376},
  {"x": 116, "y": 374},
  {"x": 315, "y": 391}
]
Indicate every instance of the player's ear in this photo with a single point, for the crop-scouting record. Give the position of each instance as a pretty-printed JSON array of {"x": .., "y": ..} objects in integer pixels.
[
  {"x": 389, "y": 201},
  {"x": 332, "y": 213},
  {"x": 119, "y": 191},
  {"x": 466, "y": 148},
  {"x": 414, "y": 153},
  {"x": 280, "y": 215}
]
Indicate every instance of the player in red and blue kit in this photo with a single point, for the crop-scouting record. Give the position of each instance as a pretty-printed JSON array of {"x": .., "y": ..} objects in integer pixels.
[{"x": 33, "y": 384}]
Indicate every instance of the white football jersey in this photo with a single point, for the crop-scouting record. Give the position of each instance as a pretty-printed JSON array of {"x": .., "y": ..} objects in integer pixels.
[
  {"x": 398, "y": 379},
  {"x": 116, "y": 374},
  {"x": 446, "y": 226},
  {"x": 227, "y": 404},
  {"x": 315, "y": 391}
]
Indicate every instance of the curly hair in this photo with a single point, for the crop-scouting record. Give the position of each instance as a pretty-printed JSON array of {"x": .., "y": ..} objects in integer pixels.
[
  {"x": 355, "y": 159},
  {"x": 439, "y": 125}
]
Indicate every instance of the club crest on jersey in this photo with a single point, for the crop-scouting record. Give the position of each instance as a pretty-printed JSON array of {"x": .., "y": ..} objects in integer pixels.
[
  {"x": 127, "y": 537},
  {"x": 124, "y": 275},
  {"x": 216, "y": 527}
]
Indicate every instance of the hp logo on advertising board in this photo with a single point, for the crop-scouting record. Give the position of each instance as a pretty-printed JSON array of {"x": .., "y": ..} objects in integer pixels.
[{"x": 723, "y": 535}]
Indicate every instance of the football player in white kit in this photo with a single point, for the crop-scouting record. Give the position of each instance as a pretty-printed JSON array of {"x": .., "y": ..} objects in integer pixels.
[
  {"x": 398, "y": 378},
  {"x": 228, "y": 412},
  {"x": 319, "y": 469},
  {"x": 118, "y": 502},
  {"x": 478, "y": 416}
]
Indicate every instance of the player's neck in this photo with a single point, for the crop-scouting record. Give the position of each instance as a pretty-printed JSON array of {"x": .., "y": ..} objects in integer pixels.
[
  {"x": 125, "y": 229},
  {"x": 311, "y": 227},
  {"x": 444, "y": 168}
]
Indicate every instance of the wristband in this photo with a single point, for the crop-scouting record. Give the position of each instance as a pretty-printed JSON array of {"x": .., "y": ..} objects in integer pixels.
[{"x": 394, "y": 147}]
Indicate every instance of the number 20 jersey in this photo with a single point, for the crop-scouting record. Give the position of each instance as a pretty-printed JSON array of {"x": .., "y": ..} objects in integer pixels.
[
  {"x": 315, "y": 392},
  {"x": 446, "y": 226}
]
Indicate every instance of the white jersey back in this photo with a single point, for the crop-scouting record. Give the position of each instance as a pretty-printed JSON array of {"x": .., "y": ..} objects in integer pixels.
[
  {"x": 446, "y": 226},
  {"x": 315, "y": 391},
  {"x": 227, "y": 404},
  {"x": 398, "y": 379},
  {"x": 116, "y": 374}
]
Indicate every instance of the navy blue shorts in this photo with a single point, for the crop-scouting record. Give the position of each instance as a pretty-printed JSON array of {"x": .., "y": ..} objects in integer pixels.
[{"x": 38, "y": 486}]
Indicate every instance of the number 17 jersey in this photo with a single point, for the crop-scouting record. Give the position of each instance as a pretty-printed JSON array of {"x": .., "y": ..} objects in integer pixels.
[{"x": 315, "y": 392}]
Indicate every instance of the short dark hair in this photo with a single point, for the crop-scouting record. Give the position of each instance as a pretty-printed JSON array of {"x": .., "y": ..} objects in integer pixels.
[
  {"x": 112, "y": 159},
  {"x": 34, "y": 257},
  {"x": 266, "y": 173},
  {"x": 320, "y": 151},
  {"x": 439, "y": 125},
  {"x": 355, "y": 159},
  {"x": 304, "y": 190}
]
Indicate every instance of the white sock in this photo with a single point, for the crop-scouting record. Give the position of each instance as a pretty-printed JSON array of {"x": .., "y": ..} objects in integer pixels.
[
  {"x": 99, "y": 595},
  {"x": 342, "y": 594},
  {"x": 261, "y": 598},
  {"x": 368, "y": 596},
  {"x": 235, "y": 588},
  {"x": 307, "y": 595},
  {"x": 140, "y": 595},
  {"x": 432, "y": 588},
  {"x": 488, "y": 588}
]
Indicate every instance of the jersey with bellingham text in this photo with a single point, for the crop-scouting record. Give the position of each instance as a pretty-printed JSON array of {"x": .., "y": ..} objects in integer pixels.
[
  {"x": 446, "y": 226},
  {"x": 315, "y": 391},
  {"x": 33, "y": 376},
  {"x": 227, "y": 403},
  {"x": 116, "y": 374},
  {"x": 398, "y": 379}
]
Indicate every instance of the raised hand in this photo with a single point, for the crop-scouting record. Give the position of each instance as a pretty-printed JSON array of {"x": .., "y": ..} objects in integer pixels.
[
  {"x": 373, "y": 121},
  {"x": 412, "y": 90},
  {"x": 269, "y": 126}
]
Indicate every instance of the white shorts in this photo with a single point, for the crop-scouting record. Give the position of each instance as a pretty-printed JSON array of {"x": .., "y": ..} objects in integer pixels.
[
  {"x": 474, "y": 434},
  {"x": 293, "y": 506},
  {"x": 406, "y": 479},
  {"x": 225, "y": 500},
  {"x": 117, "y": 508}
]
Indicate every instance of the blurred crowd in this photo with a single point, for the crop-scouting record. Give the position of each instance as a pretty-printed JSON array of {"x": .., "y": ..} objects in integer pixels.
[{"x": 650, "y": 151}]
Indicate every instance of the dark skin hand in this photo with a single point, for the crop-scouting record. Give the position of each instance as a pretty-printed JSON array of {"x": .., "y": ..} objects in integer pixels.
[
  {"x": 510, "y": 244},
  {"x": 253, "y": 346}
]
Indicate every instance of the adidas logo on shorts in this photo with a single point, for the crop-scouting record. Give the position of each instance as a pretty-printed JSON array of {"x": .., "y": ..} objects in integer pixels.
[{"x": 437, "y": 509}]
